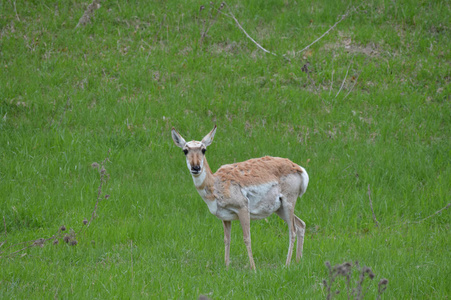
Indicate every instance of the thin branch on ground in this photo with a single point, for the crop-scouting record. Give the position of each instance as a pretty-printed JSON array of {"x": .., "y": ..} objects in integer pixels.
[
  {"x": 342, "y": 84},
  {"x": 33, "y": 243},
  {"x": 371, "y": 204},
  {"x": 15, "y": 245},
  {"x": 333, "y": 71},
  {"x": 15, "y": 10},
  {"x": 356, "y": 78},
  {"x": 343, "y": 17},
  {"x": 231, "y": 15},
  {"x": 103, "y": 178},
  {"x": 18, "y": 251},
  {"x": 436, "y": 213},
  {"x": 331, "y": 82},
  {"x": 355, "y": 82},
  {"x": 333, "y": 26}
]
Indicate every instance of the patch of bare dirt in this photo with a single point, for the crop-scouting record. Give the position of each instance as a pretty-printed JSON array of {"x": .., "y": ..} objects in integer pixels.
[{"x": 347, "y": 44}]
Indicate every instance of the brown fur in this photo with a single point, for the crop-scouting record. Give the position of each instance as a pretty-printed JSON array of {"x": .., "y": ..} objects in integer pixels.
[
  {"x": 208, "y": 183},
  {"x": 195, "y": 156},
  {"x": 257, "y": 170},
  {"x": 251, "y": 172}
]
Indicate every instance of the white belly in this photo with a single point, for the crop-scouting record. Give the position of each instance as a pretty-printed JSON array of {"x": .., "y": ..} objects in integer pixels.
[{"x": 263, "y": 199}]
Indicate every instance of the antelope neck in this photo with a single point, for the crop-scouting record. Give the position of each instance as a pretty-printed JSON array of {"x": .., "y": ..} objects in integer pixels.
[{"x": 207, "y": 175}]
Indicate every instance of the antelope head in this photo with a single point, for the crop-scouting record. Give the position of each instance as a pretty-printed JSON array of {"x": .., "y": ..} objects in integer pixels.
[{"x": 194, "y": 151}]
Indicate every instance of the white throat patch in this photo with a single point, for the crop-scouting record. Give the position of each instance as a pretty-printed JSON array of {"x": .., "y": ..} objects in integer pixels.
[{"x": 199, "y": 180}]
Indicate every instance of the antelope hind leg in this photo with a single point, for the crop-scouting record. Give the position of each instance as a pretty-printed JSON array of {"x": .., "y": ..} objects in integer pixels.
[{"x": 300, "y": 232}]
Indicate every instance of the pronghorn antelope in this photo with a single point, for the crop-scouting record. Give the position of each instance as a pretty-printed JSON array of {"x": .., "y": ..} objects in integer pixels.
[{"x": 253, "y": 189}]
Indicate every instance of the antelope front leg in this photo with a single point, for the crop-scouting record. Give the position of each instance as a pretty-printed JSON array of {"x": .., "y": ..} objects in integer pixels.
[
  {"x": 245, "y": 221},
  {"x": 227, "y": 230}
]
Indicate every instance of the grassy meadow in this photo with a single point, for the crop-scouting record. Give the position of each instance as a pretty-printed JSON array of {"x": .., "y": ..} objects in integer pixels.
[{"x": 365, "y": 108}]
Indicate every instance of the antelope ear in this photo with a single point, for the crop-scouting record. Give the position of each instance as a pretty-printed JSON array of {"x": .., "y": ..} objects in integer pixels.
[
  {"x": 177, "y": 138},
  {"x": 208, "y": 139}
]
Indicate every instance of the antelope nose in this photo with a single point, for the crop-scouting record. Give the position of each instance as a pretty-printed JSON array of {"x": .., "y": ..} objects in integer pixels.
[{"x": 195, "y": 169}]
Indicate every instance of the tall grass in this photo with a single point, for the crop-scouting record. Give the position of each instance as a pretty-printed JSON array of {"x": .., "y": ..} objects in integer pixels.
[{"x": 68, "y": 95}]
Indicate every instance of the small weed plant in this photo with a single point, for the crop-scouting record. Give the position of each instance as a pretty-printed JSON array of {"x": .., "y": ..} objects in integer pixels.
[{"x": 357, "y": 281}]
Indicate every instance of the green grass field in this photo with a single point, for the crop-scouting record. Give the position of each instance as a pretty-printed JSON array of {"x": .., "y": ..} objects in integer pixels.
[{"x": 367, "y": 105}]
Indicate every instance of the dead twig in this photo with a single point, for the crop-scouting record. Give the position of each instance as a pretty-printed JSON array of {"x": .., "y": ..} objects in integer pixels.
[
  {"x": 231, "y": 15},
  {"x": 355, "y": 82},
  {"x": 15, "y": 10},
  {"x": 436, "y": 213},
  {"x": 333, "y": 71},
  {"x": 371, "y": 204},
  {"x": 331, "y": 82},
  {"x": 347, "y": 71},
  {"x": 103, "y": 178},
  {"x": 343, "y": 17},
  {"x": 356, "y": 78},
  {"x": 333, "y": 26},
  {"x": 34, "y": 243}
]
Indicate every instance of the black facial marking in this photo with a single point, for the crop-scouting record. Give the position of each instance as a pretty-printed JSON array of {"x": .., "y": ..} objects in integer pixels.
[{"x": 185, "y": 151}]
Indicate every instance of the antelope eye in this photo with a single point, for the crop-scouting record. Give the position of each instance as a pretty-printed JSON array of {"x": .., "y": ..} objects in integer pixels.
[
  {"x": 204, "y": 150},
  {"x": 185, "y": 151}
]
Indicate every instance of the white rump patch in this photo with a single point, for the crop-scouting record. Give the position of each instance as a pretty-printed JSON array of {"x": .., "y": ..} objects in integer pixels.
[{"x": 305, "y": 180}]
